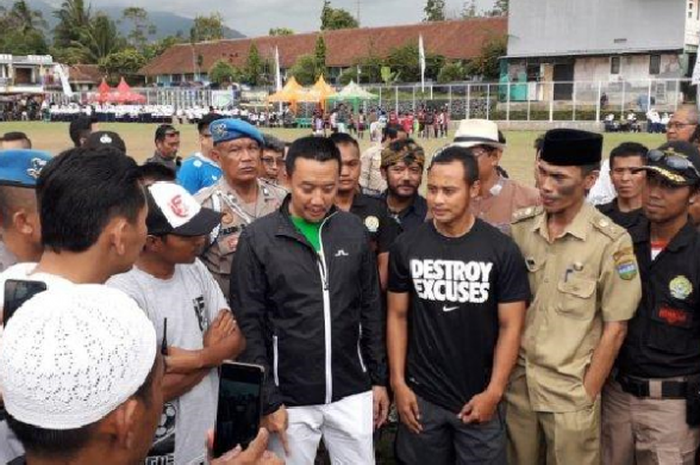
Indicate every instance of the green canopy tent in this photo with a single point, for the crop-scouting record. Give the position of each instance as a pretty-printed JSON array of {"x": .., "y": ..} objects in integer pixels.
[{"x": 352, "y": 93}]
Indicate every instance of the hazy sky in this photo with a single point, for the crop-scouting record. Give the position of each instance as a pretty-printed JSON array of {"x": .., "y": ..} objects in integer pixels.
[{"x": 256, "y": 17}]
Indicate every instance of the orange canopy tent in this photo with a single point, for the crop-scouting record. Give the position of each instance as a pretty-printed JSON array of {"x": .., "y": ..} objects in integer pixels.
[
  {"x": 319, "y": 93},
  {"x": 291, "y": 93}
]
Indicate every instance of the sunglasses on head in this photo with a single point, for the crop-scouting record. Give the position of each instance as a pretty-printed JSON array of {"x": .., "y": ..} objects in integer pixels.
[{"x": 673, "y": 161}]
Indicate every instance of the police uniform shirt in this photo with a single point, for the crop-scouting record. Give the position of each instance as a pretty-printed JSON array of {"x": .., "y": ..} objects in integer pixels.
[
  {"x": 455, "y": 285},
  {"x": 382, "y": 229},
  {"x": 663, "y": 339},
  {"x": 236, "y": 215},
  {"x": 579, "y": 280},
  {"x": 627, "y": 220}
]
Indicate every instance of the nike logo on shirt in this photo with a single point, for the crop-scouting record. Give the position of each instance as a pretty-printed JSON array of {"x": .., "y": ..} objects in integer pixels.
[{"x": 449, "y": 309}]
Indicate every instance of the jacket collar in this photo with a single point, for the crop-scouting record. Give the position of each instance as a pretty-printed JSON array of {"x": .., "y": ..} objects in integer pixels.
[
  {"x": 642, "y": 234},
  {"x": 285, "y": 227}
]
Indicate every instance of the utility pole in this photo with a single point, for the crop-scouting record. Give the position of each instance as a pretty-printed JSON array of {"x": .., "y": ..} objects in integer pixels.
[{"x": 359, "y": 7}]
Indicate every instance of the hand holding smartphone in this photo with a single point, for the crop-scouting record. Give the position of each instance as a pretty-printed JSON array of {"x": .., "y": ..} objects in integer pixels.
[{"x": 240, "y": 406}]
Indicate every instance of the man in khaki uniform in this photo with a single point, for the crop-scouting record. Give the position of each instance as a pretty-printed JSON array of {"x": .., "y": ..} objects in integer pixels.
[
  {"x": 239, "y": 196},
  {"x": 585, "y": 286}
]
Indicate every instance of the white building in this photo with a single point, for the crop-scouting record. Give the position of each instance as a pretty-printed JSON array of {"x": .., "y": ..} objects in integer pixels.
[
  {"x": 629, "y": 43},
  {"x": 24, "y": 74}
]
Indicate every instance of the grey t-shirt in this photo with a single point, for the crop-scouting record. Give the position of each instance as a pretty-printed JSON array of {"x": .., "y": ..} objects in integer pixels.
[{"x": 190, "y": 300}]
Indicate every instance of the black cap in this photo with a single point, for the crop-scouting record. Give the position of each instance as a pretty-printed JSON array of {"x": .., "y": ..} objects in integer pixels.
[
  {"x": 165, "y": 130},
  {"x": 101, "y": 139},
  {"x": 678, "y": 162},
  {"x": 571, "y": 147}
]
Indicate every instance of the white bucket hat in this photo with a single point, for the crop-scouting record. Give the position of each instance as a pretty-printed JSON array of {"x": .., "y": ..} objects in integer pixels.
[{"x": 473, "y": 132}]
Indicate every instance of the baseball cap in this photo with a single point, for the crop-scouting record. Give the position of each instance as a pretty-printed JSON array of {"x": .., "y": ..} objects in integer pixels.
[
  {"x": 678, "y": 162},
  {"x": 22, "y": 167},
  {"x": 226, "y": 129},
  {"x": 173, "y": 210},
  {"x": 97, "y": 349},
  {"x": 165, "y": 130},
  {"x": 101, "y": 139}
]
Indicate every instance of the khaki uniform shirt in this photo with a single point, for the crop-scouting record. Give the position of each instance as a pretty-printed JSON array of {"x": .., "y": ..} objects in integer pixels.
[
  {"x": 371, "y": 179},
  {"x": 236, "y": 215},
  {"x": 506, "y": 198},
  {"x": 579, "y": 280}
]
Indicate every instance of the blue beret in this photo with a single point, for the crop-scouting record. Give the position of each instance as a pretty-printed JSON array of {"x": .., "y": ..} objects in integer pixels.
[
  {"x": 226, "y": 129},
  {"x": 21, "y": 167}
]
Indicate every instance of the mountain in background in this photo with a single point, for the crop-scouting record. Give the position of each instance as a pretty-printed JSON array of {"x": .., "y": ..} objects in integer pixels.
[{"x": 167, "y": 24}]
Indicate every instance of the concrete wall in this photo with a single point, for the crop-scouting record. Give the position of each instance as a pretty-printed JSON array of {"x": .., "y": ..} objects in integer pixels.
[
  {"x": 565, "y": 27},
  {"x": 632, "y": 68}
]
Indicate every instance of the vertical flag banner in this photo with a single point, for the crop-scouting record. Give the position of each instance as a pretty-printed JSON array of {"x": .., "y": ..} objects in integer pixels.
[{"x": 421, "y": 58}]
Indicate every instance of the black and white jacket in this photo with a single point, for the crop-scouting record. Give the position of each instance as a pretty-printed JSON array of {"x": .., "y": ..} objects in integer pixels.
[{"x": 313, "y": 320}]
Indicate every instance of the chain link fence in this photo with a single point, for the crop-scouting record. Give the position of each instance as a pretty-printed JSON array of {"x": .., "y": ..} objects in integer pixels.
[{"x": 504, "y": 101}]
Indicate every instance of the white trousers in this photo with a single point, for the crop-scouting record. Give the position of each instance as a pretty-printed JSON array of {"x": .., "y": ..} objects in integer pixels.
[{"x": 346, "y": 426}]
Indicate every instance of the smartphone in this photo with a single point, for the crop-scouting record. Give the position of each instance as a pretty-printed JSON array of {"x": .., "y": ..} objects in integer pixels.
[
  {"x": 240, "y": 406},
  {"x": 17, "y": 292}
]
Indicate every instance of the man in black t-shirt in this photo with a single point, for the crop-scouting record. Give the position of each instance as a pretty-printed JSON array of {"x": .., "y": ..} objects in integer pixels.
[
  {"x": 625, "y": 161},
  {"x": 461, "y": 287},
  {"x": 381, "y": 228}
]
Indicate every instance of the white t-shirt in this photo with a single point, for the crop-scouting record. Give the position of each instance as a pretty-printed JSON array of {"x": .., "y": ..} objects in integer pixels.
[{"x": 190, "y": 300}]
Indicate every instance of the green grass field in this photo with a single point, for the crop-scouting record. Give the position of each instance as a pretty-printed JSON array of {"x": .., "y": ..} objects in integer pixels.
[{"x": 517, "y": 160}]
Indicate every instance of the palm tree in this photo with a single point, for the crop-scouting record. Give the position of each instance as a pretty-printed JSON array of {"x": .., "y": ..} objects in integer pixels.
[
  {"x": 73, "y": 19},
  {"x": 24, "y": 19},
  {"x": 98, "y": 39}
]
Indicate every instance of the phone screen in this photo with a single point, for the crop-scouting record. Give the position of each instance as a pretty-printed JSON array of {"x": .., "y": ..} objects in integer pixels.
[
  {"x": 17, "y": 292},
  {"x": 240, "y": 406}
]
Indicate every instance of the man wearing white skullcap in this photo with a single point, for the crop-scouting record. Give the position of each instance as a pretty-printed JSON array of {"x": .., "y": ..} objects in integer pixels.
[
  {"x": 80, "y": 377},
  {"x": 82, "y": 380}
]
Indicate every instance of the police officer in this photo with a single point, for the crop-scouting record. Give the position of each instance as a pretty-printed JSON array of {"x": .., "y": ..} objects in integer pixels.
[
  {"x": 19, "y": 218},
  {"x": 239, "y": 195},
  {"x": 585, "y": 286},
  {"x": 650, "y": 406}
]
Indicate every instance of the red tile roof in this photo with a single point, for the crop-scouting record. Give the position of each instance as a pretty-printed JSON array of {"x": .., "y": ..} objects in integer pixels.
[
  {"x": 453, "y": 39},
  {"x": 85, "y": 73}
]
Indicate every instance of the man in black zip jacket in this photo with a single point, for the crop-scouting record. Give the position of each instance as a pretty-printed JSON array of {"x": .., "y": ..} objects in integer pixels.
[{"x": 307, "y": 293}]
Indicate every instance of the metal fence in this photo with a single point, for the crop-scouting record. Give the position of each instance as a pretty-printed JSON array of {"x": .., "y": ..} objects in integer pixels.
[{"x": 504, "y": 101}]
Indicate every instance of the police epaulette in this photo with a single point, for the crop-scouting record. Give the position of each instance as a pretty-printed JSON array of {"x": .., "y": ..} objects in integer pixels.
[
  {"x": 607, "y": 226},
  {"x": 527, "y": 213}
]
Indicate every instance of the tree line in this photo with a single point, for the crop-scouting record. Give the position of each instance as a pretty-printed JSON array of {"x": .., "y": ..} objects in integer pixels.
[{"x": 85, "y": 36}]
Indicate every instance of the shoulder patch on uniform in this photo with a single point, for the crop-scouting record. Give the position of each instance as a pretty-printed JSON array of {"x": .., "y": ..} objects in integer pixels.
[
  {"x": 205, "y": 193},
  {"x": 272, "y": 190},
  {"x": 607, "y": 226},
  {"x": 527, "y": 213}
]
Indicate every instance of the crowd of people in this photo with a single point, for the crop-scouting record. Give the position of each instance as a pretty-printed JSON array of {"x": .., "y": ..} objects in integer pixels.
[{"x": 502, "y": 323}]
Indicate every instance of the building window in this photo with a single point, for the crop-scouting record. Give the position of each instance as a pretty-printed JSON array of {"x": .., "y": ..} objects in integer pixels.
[
  {"x": 614, "y": 65},
  {"x": 654, "y": 64},
  {"x": 189, "y": 77},
  {"x": 690, "y": 10},
  {"x": 176, "y": 78}
]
